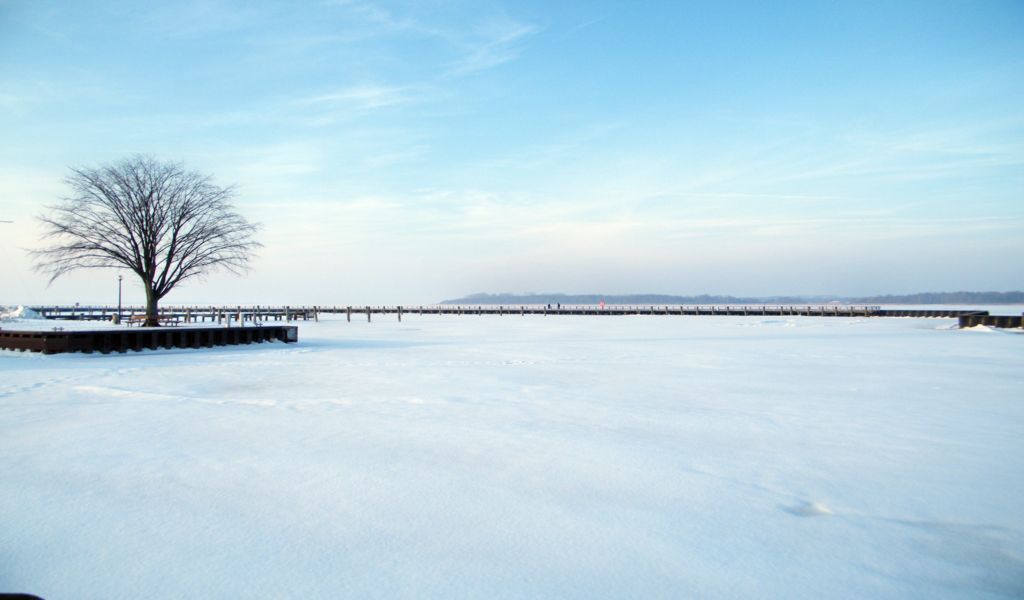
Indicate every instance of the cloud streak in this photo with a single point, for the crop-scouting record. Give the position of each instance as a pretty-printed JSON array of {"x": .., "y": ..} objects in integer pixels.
[{"x": 495, "y": 43}]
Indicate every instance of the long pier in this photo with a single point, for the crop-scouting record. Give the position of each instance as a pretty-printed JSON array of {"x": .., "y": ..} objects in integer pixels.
[
  {"x": 257, "y": 313},
  {"x": 220, "y": 331}
]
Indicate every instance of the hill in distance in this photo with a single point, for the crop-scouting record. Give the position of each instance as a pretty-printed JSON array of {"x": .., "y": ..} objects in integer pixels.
[{"x": 1016, "y": 297}]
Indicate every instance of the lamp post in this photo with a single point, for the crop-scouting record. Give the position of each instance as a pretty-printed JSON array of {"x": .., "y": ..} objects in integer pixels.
[{"x": 119, "y": 277}]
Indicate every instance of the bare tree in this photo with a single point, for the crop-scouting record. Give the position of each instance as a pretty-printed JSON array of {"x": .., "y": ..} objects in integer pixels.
[{"x": 155, "y": 218}]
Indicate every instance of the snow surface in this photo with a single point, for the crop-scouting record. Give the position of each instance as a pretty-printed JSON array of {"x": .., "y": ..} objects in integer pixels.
[{"x": 523, "y": 457}]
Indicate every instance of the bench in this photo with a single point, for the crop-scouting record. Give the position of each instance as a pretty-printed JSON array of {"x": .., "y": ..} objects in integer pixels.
[{"x": 162, "y": 320}]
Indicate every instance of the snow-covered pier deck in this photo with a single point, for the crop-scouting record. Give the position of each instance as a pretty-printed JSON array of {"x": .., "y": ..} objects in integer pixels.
[{"x": 122, "y": 340}]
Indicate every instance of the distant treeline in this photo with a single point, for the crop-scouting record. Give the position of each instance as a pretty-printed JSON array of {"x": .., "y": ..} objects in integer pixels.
[
  {"x": 945, "y": 298},
  {"x": 920, "y": 298}
]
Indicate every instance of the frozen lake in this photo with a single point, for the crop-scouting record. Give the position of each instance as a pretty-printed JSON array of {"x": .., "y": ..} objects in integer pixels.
[{"x": 524, "y": 457}]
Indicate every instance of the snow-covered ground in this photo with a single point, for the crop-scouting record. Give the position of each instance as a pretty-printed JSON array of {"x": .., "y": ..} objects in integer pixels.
[{"x": 523, "y": 457}]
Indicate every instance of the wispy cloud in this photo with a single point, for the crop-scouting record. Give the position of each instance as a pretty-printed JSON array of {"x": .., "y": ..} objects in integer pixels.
[
  {"x": 363, "y": 97},
  {"x": 199, "y": 17},
  {"x": 374, "y": 14},
  {"x": 583, "y": 25},
  {"x": 493, "y": 43},
  {"x": 267, "y": 169},
  {"x": 495, "y": 39}
]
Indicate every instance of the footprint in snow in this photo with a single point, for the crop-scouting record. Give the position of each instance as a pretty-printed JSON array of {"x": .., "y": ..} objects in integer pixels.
[{"x": 809, "y": 509}]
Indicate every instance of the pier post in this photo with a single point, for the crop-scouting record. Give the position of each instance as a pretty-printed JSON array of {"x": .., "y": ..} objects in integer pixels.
[
  {"x": 399, "y": 314},
  {"x": 348, "y": 314},
  {"x": 367, "y": 314}
]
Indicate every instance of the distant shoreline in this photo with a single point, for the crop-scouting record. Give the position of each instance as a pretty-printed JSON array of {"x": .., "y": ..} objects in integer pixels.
[{"x": 1015, "y": 297}]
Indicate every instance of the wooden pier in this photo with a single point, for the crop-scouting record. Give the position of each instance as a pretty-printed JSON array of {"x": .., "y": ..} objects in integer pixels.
[
  {"x": 221, "y": 332},
  {"x": 258, "y": 314},
  {"x": 141, "y": 338},
  {"x": 181, "y": 314}
]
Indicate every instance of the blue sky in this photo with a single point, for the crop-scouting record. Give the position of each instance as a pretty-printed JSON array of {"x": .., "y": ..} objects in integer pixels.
[{"x": 409, "y": 152}]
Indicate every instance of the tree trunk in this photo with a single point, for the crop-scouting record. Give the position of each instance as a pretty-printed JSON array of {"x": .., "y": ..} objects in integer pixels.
[{"x": 152, "y": 312}]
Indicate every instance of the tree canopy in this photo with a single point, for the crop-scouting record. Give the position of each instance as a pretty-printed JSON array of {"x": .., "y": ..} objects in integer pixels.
[{"x": 163, "y": 222}]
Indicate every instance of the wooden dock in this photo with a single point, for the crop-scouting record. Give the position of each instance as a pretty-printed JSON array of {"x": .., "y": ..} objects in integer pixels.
[{"x": 141, "y": 338}]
